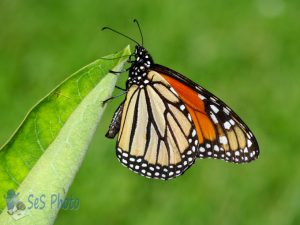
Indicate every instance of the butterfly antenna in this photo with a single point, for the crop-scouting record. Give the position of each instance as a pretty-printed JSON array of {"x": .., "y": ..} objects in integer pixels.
[
  {"x": 113, "y": 30},
  {"x": 141, "y": 33}
]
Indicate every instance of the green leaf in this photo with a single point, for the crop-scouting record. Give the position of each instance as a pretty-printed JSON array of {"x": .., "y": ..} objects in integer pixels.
[{"x": 46, "y": 151}]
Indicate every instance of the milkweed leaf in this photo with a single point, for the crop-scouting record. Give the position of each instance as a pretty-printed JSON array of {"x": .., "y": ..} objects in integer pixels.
[{"x": 44, "y": 154}]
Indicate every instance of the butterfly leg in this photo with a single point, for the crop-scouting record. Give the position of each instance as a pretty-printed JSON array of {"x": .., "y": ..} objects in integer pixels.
[
  {"x": 113, "y": 97},
  {"x": 119, "y": 72},
  {"x": 122, "y": 89}
]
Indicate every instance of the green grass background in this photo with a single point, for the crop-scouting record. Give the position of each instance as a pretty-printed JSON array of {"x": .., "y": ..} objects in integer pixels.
[{"x": 246, "y": 52}]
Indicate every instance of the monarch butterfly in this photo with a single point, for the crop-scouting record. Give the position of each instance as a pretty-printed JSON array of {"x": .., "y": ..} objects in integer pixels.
[{"x": 167, "y": 121}]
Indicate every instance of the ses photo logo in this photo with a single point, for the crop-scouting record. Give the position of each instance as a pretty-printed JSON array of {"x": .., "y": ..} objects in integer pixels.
[{"x": 18, "y": 209}]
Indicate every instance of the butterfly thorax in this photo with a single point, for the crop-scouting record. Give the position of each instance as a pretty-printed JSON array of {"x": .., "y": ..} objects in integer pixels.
[{"x": 139, "y": 67}]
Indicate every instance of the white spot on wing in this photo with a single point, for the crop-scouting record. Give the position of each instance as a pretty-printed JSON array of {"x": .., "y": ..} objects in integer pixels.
[
  {"x": 214, "y": 118},
  {"x": 216, "y": 148},
  {"x": 213, "y": 99},
  {"x": 226, "y": 110},
  {"x": 194, "y": 133},
  {"x": 227, "y": 125},
  {"x": 172, "y": 89},
  {"x": 223, "y": 140},
  {"x": 231, "y": 122},
  {"x": 214, "y": 108},
  {"x": 201, "y": 97},
  {"x": 199, "y": 88},
  {"x": 249, "y": 143}
]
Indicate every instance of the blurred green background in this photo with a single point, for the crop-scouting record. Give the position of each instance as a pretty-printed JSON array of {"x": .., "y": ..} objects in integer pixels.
[{"x": 246, "y": 52}]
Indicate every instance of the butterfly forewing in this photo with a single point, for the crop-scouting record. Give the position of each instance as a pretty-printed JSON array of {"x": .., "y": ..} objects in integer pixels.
[
  {"x": 221, "y": 133},
  {"x": 157, "y": 137}
]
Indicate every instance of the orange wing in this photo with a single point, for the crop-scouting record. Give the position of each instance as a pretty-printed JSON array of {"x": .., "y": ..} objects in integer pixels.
[
  {"x": 221, "y": 133},
  {"x": 196, "y": 108}
]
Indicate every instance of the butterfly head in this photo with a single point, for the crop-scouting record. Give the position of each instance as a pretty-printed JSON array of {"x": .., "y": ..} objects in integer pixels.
[
  {"x": 140, "y": 66},
  {"x": 142, "y": 57}
]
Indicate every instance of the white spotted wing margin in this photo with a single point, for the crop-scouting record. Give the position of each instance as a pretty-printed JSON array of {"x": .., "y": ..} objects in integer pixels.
[
  {"x": 157, "y": 138},
  {"x": 234, "y": 141}
]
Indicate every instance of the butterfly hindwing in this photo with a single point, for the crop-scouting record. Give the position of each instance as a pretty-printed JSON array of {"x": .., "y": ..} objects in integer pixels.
[{"x": 157, "y": 137}]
